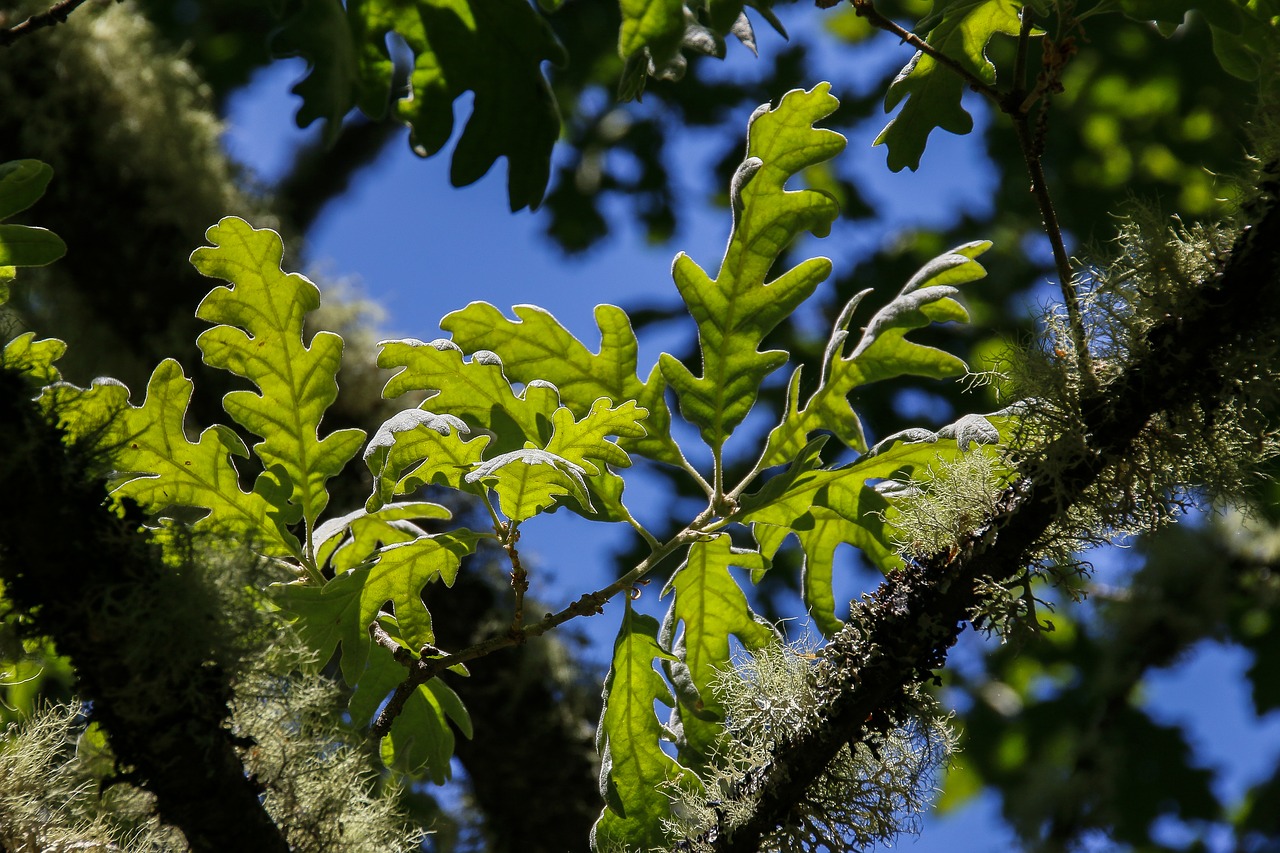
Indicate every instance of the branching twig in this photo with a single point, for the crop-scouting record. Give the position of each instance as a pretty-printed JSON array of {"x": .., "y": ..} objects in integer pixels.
[
  {"x": 54, "y": 15},
  {"x": 588, "y": 604}
]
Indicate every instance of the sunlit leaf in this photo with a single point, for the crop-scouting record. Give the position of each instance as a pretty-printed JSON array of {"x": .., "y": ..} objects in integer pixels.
[
  {"x": 712, "y": 608},
  {"x": 738, "y": 308},
  {"x": 260, "y": 338},
  {"x": 586, "y": 443},
  {"x": 634, "y": 769},
  {"x": 537, "y": 347},
  {"x": 432, "y": 445},
  {"x": 883, "y": 352},
  {"x": 530, "y": 480}
]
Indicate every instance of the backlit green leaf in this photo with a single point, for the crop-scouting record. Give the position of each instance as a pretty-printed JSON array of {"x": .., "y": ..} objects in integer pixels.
[
  {"x": 932, "y": 91},
  {"x": 433, "y": 445},
  {"x": 586, "y": 443},
  {"x": 530, "y": 480},
  {"x": 536, "y": 346},
  {"x": 352, "y": 538},
  {"x": 476, "y": 391},
  {"x": 342, "y": 610},
  {"x": 262, "y": 314},
  {"x": 712, "y": 607},
  {"x": 882, "y": 353},
  {"x": 634, "y": 769},
  {"x": 28, "y": 246},
  {"x": 34, "y": 358},
  {"x": 738, "y": 308}
]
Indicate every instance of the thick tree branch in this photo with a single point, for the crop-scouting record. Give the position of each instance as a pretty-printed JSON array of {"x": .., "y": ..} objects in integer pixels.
[
  {"x": 54, "y": 15},
  {"x": 87, "y": 579},
  {"x": 901, "y": 634}
]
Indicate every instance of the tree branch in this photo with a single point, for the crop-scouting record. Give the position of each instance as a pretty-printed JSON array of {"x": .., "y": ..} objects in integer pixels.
[
  {"x": 902, "y": 633},
  {"x": 51, "y": 17}
]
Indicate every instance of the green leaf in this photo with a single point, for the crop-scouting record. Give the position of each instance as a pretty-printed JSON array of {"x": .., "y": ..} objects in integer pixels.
[
  {"x": 634, "y": 770},
  {"x": 932, "y": 91},
  {"x": 645, "y": 23},
  {"x": 737, "y": 309},
  {"x": 586, "y": 444},
  {"x": 351, "y": 539},
  {"x": 882, "y": 353},
  {"x": 28, "y": 246},
  {"x": 433, "y": 443},
  {"x": 421, "y": 741},
  {"x": 530, "y": 480},
  {"x": 22, "y": 183},
  {"x": 262, "y": 340},
  {"x": 342, "y": 610},
  {"x": 33, "y": 358},
  {"x": 162, "y": 470},
  {"x": 712, "y": 607},
  {"x": 493, "y": 48},
  {"x": 824, "y": 508},
  {"x": 476, "y": 391},
  {"x": 318, "y": 31},
  {"x": 537, "y": 347}
]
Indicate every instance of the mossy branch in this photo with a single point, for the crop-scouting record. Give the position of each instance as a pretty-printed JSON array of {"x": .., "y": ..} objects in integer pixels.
[
  {"x": 88, "y": 580},
  {"x": 900, "y": 635}
]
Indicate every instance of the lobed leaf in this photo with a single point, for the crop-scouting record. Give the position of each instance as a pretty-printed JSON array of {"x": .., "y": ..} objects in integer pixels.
[
  {"x": 260, "y": 337},
  {"x": 634, "y": 771},
  {"x": 432, "y": 445},
  {"x": 883, "y": 352},
  {"x": 738, "y": 308},
  {"x": 932, "y": 91},
  {"x": 824, "y": 509},
  {"x": 528, "y": 481},
  {"x": 493, "y": 48},
  {"x": 477, "y": 391},
  {"x": 341, "y": 611},
  {"x": 351, "y": 539},
  {"x": 160, "y": 469},
  {"x": 586, "y": 443},
  {"x": 536, "y": 347},
  {"x": 712, "y": 607},
  {"x": 421, "y": 741}
]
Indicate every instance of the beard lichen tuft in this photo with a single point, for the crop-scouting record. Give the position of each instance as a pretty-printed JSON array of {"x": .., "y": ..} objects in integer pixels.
[{"x": 870, "y": 793}]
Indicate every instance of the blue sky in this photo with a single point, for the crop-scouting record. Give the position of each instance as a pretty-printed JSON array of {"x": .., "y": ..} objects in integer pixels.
[{"x": 421, "y": 249}]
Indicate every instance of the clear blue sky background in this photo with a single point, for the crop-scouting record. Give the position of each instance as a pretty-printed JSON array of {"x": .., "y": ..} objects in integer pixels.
[{"x": 422, "y": 249}]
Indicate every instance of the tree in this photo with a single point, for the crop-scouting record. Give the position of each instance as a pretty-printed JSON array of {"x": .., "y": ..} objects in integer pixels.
[{"x": 237, "y": 608}]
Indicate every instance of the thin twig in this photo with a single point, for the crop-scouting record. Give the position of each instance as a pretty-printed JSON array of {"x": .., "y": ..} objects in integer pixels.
[
  {"x": 54, "y": 15},
  {"x": 519, "y": 582},
  {"x": 865, "y": 9},
  {"x": 588, "y": 604}
]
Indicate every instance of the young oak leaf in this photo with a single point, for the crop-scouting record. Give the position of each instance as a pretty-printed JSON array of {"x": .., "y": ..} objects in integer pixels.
[
  {"x": 824, "y": 508},
  {"x": 421, "y": 741},
  {"x": 712, "y": 608},
  {"x": 536, "y": 346},
  {"x": 477, "y": 391},
  {"x": 883, "y": 352},
  {"x": 932, "y": 91},
  {"x": 341, "y": 611},
  {"x": 260, "y": 337},
  {"x": 162, "y": 469},
  {"x": 738, "y": 308},
  {"x": 530, "y": 480},
  {"x": 634, "y": 771},
  {"x": 586, "y": 443},
  {"x": 432, "y": 445},
  {"x": 351, "y": 539}
]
